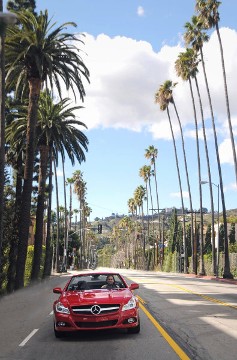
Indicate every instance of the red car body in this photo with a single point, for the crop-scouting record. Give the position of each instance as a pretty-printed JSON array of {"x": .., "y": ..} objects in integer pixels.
[{"x": 84, "y": 305}]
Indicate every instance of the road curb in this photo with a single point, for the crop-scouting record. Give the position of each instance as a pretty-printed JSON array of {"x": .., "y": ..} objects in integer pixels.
[{"x": 213, "y": 278}]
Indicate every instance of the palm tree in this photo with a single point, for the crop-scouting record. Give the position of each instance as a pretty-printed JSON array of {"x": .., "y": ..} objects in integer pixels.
[
  {"x": 56, "y": 131},
  {"x": 164, "y": 97},
  {"x": 2, "y": 132},
  {"x": 151, "y": 153},
  {"x": 196, "y": 38},
  {"x": 139, "y": 195},
  {"x": 75, "y": 211},
  {"x": 132, "y": 208},
  {"x": 80, "y": 191},
  {"x": 19, "y": 5},
  {"x": 57, "y": 215},
  {"x": 145, "y": 172},
  {"x": 70, "y": 181},
  {"x": 35, "y": 60},
  {"x": 186, "y": 170},
  {"x": 186, "y": 68},
  {"x": 7, "y": 20},
  {"x": 209, "y": 18}
]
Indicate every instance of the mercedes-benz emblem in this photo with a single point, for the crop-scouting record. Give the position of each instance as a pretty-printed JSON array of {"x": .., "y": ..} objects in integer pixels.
[{"x": 95, "y": 309}]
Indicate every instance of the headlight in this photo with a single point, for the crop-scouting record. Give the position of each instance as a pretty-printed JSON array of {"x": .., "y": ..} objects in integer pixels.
[
  {"x": 131, "y": 304},
  {"x": 62, "y": 309}
]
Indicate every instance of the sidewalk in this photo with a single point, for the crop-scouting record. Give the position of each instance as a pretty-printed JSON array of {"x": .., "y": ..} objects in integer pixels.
[{"x": 214, "y": 278}]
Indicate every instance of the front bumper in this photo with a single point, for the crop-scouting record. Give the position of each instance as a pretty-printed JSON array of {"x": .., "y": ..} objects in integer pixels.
[{"x": 73, "y": 322}]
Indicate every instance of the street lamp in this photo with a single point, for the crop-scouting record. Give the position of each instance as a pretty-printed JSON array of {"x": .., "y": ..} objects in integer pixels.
[
  {"x": 218, "y": 223},
  {"x": 5, "y": 20}
]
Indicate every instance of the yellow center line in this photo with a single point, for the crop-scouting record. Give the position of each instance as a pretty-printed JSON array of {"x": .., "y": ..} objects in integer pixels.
[
  {"x": 206, "y": 297},
  {"x": 177, "y": 349}
]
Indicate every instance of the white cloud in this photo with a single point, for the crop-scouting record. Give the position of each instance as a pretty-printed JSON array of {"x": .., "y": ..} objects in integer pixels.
[
  {"x": 126, "y": 73},
  {"x": 140, "y": 11},
  {"x": 226, "y": 153}
]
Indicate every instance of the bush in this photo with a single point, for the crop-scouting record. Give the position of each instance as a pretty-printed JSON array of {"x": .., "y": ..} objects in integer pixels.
[{"x": 29, "y": 260}]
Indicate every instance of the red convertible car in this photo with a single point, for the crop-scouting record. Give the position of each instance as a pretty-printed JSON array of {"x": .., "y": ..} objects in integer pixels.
[{"x": 88, "y": 302}]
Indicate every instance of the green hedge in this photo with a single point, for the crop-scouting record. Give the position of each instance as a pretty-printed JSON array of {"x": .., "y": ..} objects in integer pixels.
[{"x": 29, "y": 260}]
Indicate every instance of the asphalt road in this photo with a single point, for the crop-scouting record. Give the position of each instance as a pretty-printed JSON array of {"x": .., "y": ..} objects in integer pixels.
[{"x": 180, "y": 318}]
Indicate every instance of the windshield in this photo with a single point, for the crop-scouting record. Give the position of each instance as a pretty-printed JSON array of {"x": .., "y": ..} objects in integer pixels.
[{"x": 95, "y": 281}]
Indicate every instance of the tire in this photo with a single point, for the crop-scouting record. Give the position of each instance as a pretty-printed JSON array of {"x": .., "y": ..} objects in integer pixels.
[
  {"x": 134, "y": 330},
  {"x": 58, "y": 334}
]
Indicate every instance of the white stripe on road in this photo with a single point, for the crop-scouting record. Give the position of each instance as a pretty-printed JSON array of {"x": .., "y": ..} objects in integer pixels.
[
  {"x": 51, "y": 313},
  {"x": 28, "y": 337}
]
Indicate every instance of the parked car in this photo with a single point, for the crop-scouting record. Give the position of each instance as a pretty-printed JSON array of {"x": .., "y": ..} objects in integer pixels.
[{"x": 85, "y": 304}]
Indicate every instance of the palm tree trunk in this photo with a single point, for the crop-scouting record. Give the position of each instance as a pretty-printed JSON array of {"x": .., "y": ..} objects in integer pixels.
[
  {"x": 158, "y": 209},
  {"x": 58, "y": 217},
  {"x": 201, "y": 267},
  {"x": 2, "y": 132},
  {"x": 39, "y": 233},
  {"x": 181, "y": 195},
  {"x": 48, "y": 250},
  {"x": 152, "y": 221},
  {"x": 188, "y": 183},
  {"x": 65, "y": 220},
  {"x": 11, "y": 272},
  {"x": 210, "y": 186},
  {"x": 34, "y": 86},
  {"x": 227, "y": 273}
]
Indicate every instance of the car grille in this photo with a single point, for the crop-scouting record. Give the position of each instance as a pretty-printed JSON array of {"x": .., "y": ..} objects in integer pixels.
[
  {"x": 104, "y": 309},
  {"x": 92, "y": 324}
]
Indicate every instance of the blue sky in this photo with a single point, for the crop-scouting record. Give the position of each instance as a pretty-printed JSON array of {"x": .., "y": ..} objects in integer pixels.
[{"x": 130, "y": 49}]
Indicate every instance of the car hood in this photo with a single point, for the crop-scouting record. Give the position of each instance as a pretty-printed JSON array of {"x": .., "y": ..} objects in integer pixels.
[{"x": 97, "y": 297}]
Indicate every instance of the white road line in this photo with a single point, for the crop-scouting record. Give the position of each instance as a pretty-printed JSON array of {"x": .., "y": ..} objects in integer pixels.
[
  {"x": 51, "y": 313},
  {"x": 28, "y": 337}
]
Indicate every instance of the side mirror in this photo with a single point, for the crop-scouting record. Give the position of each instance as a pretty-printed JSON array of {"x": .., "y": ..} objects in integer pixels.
[
  {"x": 134, "y": 286},
  {"x": 57, "y": 290}
]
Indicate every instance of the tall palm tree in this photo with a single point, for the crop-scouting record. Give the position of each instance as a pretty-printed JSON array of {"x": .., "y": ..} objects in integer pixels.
[
  {"x": 80, "y": 191},
  {"x": 139, "y": 195},
  {"x": 209, "y": 17},
  {"x": 151, "y": 153},
  {"x": 6, "y": 21},
  {"x": 36, "y": 60},
  {"x": 70, "y": 181},
  {"x": 57, "y": 215},
  {"x": 132, "y": 208},
  {"x": 48, "y": 241},
  {"x": 2, "y": 131},
  {"x": 58, "y": 131},
  {"x": 186, "y": 67},
  {"x": 186, "y": 170},
  {"x": 164, "y": 97},
  {"x": 195, "y": 37},
  {"x": 145, "y": 174}
]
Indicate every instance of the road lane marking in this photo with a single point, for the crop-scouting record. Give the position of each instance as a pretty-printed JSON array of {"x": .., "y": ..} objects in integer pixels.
[
  {"x": 211, "y": 299},
  {"x": 141, "y": 300},
  {"x": 177, "y": 349},
  {"x": 28, "y": 337}
]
